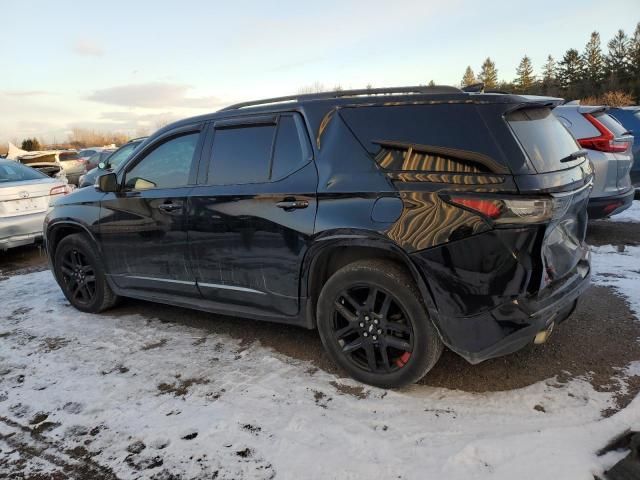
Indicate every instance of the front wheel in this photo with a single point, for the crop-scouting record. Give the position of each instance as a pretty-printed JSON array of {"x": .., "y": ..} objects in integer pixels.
[
  {"x": 374, "y": 325},
  {"x": 80, "y": 273}
]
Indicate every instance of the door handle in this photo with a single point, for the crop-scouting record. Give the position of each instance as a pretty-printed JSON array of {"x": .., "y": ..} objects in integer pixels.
[
  {"x": 288, "y": 205},
  {"x": 170, "y": 207}
]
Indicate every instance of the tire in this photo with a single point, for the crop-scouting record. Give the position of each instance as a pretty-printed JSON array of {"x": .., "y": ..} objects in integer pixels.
[
  {"x": 349, "y": 335},
  {"x": 81, "y": 275}
]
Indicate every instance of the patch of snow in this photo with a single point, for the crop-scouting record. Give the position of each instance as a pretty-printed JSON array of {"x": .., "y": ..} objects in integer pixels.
[
  {"x": 618, "y": 267},
  {"x": 631, "y": 214},
  {"x": 147, "y": 398}
]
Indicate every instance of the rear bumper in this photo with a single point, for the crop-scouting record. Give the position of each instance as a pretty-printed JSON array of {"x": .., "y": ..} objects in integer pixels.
[
  {"x": 602, "y": 207},
  {"x": 485, "y": 305},
  {"x": 21, "y": 230}
]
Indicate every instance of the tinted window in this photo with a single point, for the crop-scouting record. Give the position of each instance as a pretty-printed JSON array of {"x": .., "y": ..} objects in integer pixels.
[
  {"x": 612, "y": 124},
  {"x": 167, "y": 166},
  {"x": 545, "y": 140},
  {"x": 123, "y": 153},
  {"x": 241, "y": 155},
  {"x": 456, "y": 126},
  {"x": 16, "y": 172},
  {"x": 291, "y": 150}
]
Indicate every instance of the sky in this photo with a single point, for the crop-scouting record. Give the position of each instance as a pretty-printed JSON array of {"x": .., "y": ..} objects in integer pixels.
[{"x": 130, "y": 66}]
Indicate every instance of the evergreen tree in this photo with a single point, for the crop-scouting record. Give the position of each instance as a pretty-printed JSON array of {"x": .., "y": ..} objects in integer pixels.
[
  {"x": 549, "y": 77},
  {"x": 469, "y": 78},
  {"x": 570, "y": 72},
  {"x": 432, "y": 83},
  {"x": 634, "y": 51},
  {"x": 30, "y": 144},
  {"x": 634, "y": 63},
  {"x": 593, "y": 64},
  {"x": 525, "y": 78},
  {"x": 489, "y": 74},
  {"x": 617, "y": 61}
]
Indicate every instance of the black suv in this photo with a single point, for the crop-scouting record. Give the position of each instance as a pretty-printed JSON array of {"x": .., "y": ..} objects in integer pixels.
[{"x": 392, "y": 220}]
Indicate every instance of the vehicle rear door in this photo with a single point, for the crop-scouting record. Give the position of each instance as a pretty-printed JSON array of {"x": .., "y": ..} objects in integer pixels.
[
  {"x": 143, "y": 226},
  {"x": 251, "y": 217}
]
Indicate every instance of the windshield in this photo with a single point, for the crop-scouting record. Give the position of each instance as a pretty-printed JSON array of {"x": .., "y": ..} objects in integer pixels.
[
  {"x": 122, "y": 154},
  {"x": 16, "y": 172},
  {"x": 545, "y": 140}
]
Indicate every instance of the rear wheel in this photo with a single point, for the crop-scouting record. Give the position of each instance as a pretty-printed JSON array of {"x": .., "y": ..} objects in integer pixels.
[
  {"x": 374, "y": 325},
  {"x": 80, "y": 274}
]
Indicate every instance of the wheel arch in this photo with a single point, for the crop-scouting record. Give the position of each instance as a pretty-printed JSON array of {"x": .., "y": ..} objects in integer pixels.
[
  {"x": 58, "y": 230},
  {"x": 329, "y": 254}
]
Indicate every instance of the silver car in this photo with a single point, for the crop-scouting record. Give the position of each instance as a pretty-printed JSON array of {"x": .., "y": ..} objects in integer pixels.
[
  {"x": 608, "y": 145},
  {"x": 25, "y": 194}
]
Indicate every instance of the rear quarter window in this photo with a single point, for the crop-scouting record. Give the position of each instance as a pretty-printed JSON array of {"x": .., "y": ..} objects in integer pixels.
[
  {"x": 440, "y": 137},
  {"x": 543, "y": 137}
]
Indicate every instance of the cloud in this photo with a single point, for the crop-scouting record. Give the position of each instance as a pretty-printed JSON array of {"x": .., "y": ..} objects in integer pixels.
[
  {"x": 25, "y": 93},
  {"x": 152, "y": 95},
  {"x": 85, "y": 46}
]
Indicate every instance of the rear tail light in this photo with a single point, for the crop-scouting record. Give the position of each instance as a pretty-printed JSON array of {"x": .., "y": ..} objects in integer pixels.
[
  {"x": 60, "y": 190},
  {"x": 525, "y": 210},
  {"x": 605, "y": 142}
]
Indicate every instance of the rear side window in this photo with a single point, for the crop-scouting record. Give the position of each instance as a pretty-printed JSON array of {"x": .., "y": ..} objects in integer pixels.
[
  {"x": 10, "y": 172},
  {"x": 258, "y": 153},
  {"x": 241, "y": 155},
  {"x": 545, "y": 140}
]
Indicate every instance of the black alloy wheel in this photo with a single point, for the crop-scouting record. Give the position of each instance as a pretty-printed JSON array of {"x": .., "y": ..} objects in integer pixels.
[
  {"x": 79, "y": 271},
  {"x": 79, "y": 276},
  {"x": 372, "y": 329},
  {"x": 374, "y": 325}
]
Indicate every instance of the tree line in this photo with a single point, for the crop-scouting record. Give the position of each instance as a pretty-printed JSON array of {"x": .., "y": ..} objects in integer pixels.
[{"x": 592, "y": 74}]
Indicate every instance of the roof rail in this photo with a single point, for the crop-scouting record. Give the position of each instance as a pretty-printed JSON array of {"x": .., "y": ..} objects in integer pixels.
[{"x": 436, "y": 89}]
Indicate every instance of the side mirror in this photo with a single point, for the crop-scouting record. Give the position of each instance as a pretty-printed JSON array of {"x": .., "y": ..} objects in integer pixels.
[{"x": 107, "y": 182}]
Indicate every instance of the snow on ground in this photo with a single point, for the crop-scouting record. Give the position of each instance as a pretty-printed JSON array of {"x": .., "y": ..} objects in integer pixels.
[
  {"x": 631, "y": 214},
  {"x": 619, "y": 267},
  {"x": 148, "y": 399}
]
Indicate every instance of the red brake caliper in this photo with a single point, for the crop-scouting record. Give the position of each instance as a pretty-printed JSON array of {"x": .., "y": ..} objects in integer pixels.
[{"x": 403, "y": 359}]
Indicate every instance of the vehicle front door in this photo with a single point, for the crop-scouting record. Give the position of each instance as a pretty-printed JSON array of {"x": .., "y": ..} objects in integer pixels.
[
  {"x": 251, "y": 220},
  {"x": 143, "y": 225}
]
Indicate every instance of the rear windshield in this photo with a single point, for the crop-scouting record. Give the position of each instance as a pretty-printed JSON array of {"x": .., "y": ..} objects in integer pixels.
[
  {"x": 612, "y": 124},
  {"x": 16, "y": 172},
  {"x": 68, "y": 156},
  {"x": 545, "y": 140}
]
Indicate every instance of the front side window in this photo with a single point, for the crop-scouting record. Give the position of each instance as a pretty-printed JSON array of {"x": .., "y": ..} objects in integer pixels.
[
  {"x": 166, "y": 166},
  {"x": 123, "y": 153}
]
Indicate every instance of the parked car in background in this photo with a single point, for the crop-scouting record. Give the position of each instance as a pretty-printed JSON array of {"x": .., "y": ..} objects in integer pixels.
[
  {"x": 97, "y": 158},
  {"x": 111, "y": 161},
  {"x": 69, "y": 160},
  {"x": 364, "y": 214},
  {"x": 25, "y": 194},
  {"x": 629, "y": 117},
  {"x": 608, "y": 145}
]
